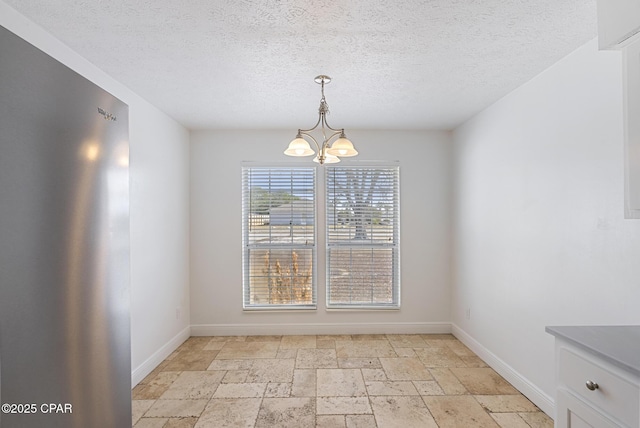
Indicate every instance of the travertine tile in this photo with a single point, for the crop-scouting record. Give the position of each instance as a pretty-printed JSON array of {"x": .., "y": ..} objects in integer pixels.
[
  {"x": 340, "y": 383},
  {"x": 139, "y": 408},
  {"x": 244, "y": 350},
  {"x": 316, "y": 359},
  {"x": 271, "y": 370},
  {"x": 193, "y": 385},
  {"x": 506, "y": 403},
  {"x": 304, "y": 383},
  {"x": 228, "y": 338},
  {"x": 537, "y": 420},
  {"x": 509, "y": 420},
  {"x": 405, "y": 352},
  {"x": 401, "y": 412},
  {"x": 428, "y": 387},
  {"x": 171, "y": 356},
  {"x": 191, "y": 360},
  {"x": 371, "y": 375},
  {"x": 473, "y": 361},
  {"x": 298, "y": 342},
  {"x": 359, "y": 363},
  {"x": 361, "y": 421},
  {"x": 265, "y": 338},
  {"x": 439, "y": 357},
  {"x": 235, "y": 376},
  {"x": 214, "y": 345},
  {"x": 166, "y": 422},
  {"x": 364, "y": 349},
  {"x": 181, "y": 422},
  {"x": 154, "y": 388},
  {"x": 459, "y": 348},
  {"x": 359, "y": 381},
  {"x": 458, "y": 411},
  {"x": 390, "y": 387},
  {"x": 483, "y": 381},
  {"x": 367, "y": 337},
  {"x": 330, "y": 421},
  {"x": 405, "y": 369},
  {"x": 448, "y": 382},
  {"x": 325, "y": 344},
  {"x": 194, "y": 343},
  {"x": 279, "y": 390},
  {"x": 437, "y": 337},
  {"x": 287, "y": 353},
  {"x": 151, "y": 423},
  {"x": 333, "y": 337},
  {"x": 230, "y": 365},
  {"x": 176, "y": 408},
  {"x": 220, "y": 338},
  {"x": 240, "y": 390},
  {"x": 296, "y": 412},
  {"x": 148, "y": 378},
  {"x": 343, "y": 406},
  {"x": 230, "y": 413},
  {"x": 406, "y": 341}
]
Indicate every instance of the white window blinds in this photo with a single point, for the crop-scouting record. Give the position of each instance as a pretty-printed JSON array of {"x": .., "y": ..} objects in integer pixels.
[
  {"x": 278, "y": 217},
  {"x": 363, "y": 236}
]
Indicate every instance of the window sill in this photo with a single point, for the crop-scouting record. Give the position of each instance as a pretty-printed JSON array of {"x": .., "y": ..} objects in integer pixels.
[
  {"x": 361, "y": 309},
  {"x": 280, "y": 309}
]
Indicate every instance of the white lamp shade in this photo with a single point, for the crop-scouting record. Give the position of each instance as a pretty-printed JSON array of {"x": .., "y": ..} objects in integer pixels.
[
  {"x": 299, "y": 147},
  {"x": 327, "y": 159},
  {"x": 343, "y": 148}
]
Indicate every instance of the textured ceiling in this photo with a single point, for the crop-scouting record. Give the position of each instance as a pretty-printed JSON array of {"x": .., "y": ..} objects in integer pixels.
[{"x": 417, "y": 64}]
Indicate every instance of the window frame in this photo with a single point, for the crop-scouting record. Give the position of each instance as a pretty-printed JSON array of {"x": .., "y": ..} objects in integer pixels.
[
  {"x": 395, "y": 304},
  {"x": 247, "y": 246}
]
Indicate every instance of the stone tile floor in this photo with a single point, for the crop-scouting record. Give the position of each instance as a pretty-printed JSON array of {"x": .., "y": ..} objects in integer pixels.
[{"x": 346, "y": 381}]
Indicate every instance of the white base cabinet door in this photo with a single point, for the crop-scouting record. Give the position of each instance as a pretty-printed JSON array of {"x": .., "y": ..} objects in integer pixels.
[
  {"x": 573, "y": 413},
  {"x": 592, "y": 392}
]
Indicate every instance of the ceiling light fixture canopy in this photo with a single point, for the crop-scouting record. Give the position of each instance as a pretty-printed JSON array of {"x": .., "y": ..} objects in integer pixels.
[{"x": 326, "y": 152}]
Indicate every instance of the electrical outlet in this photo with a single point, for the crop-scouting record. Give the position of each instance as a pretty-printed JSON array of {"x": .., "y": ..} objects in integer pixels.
[
  {"x": 467, "y": 313},
  {"x": 178, "y": 313}
]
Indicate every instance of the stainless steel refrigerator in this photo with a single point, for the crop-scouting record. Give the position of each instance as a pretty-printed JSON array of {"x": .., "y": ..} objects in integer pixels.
[{"x": 65, "y": 357}]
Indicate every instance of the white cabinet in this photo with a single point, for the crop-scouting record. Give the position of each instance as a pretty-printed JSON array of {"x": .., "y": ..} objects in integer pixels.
[
  {"x": 574, "y": 413},
  {"x": 593, "y": 393},
  {"x": 597, "y": 376},
  {"x": 618, "y": 20}
]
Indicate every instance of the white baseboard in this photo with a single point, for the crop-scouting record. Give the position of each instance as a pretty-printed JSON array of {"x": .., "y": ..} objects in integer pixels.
[
  {"x": 526, "y": 387},
  {"x": 320, "y": 328},
  {"x": 159, "y": 356}
]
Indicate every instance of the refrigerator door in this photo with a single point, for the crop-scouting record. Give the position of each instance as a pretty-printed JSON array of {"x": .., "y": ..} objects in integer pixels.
[{"x": 65, "y": 358}]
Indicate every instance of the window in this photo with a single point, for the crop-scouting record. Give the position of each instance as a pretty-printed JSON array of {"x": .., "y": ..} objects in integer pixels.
[
  {"x": 362, "y": 237},
  {"x": 278, "y": 217}
]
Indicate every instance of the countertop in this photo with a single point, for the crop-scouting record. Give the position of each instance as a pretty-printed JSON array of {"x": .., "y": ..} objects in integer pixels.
[{"x": 619, "y": 345}]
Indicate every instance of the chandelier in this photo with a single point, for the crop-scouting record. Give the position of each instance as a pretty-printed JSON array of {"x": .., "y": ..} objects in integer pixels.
[{"x": 326, "y": 152}]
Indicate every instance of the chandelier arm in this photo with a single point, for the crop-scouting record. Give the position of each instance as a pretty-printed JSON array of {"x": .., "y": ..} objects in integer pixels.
[
  {"x": 324, "y": 121},
  {"x": 338, "y": 132},
  {"x": 314, "y": 126},
  {"x": 304, "y": 132}
]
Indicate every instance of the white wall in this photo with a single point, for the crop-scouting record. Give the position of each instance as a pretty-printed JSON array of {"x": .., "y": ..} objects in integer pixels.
[
  {"x": 159, "y": 208},
  {"x": 159, "y": 163},
  {"x": 216, "y": 250},
  {"x": 540, "y": 237}
]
